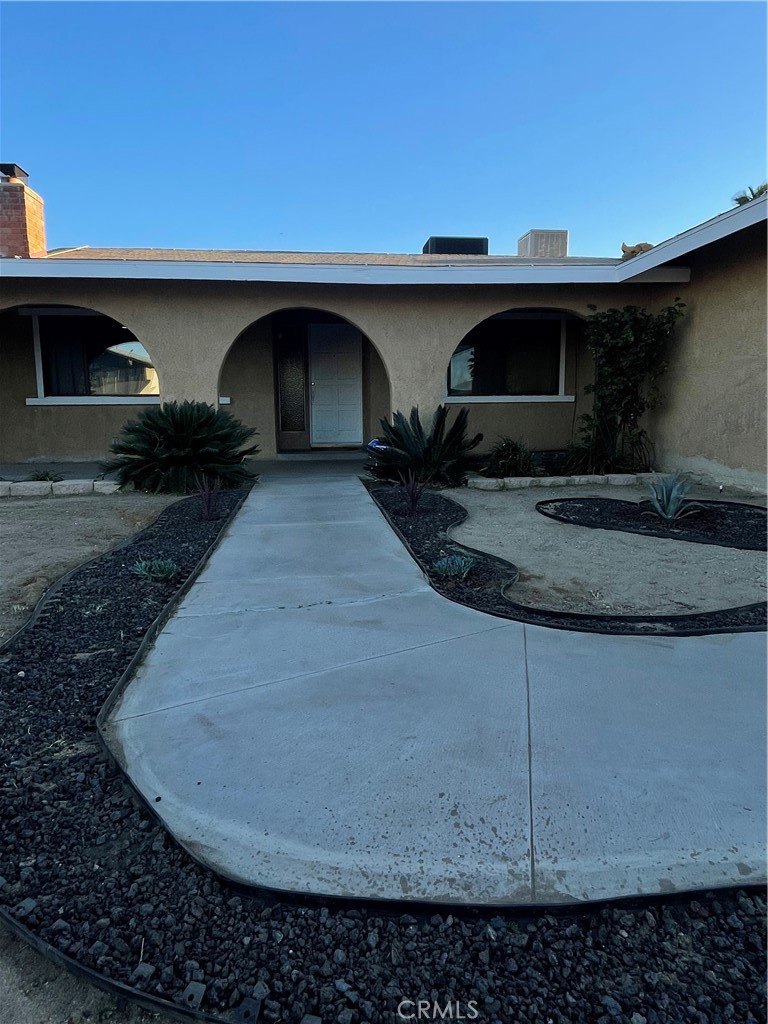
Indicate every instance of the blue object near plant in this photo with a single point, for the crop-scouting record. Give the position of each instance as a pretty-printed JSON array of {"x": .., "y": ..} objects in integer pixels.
[
  {"x": 668, "y": 499},
  {"x": 155, "y": 570},
  {"x": 454, "y": 566}
]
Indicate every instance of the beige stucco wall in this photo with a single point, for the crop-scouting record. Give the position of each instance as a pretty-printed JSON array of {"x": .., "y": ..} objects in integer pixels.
[
  {"x": 46, "y": 432},
  {"x": 712, "y": 420},
  {"x": 189, "y": 328},
  {"x": 247, "y": 379}
]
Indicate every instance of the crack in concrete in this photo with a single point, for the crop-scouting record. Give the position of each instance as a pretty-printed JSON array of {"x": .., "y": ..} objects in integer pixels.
[{"x": 305, "y": 675}]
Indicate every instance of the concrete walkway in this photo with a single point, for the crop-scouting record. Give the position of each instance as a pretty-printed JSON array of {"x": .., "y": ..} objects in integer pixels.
[{"x": 315, "y": 718}]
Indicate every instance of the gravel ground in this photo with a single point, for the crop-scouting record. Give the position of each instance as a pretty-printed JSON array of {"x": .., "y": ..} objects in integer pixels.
[
  {"x": 728, "y": 524},
  {"x": 88, "y": 869},
  {"x": 575, "y": 569},
  {"x": 42, "y": 538}
]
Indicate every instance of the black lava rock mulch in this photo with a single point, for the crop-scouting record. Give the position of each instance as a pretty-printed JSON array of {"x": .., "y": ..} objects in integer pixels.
[
  {"x": 487, "y": 585},
  {"x": 87, "y": 868},
  {"x": 729, "y": 524}
]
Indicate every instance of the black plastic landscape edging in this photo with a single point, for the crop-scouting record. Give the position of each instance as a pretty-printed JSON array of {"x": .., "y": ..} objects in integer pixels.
[
  {"x": 692, "y": 624},
  {"x": 651, "y": 532}
]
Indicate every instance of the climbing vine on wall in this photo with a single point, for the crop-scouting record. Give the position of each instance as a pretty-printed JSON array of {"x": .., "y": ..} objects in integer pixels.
[{"x": 628, "y": 346}]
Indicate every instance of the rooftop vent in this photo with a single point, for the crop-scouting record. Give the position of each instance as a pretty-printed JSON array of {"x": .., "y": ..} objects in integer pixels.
[
  {"x": 552, "y": 244},
  {"x": 443, "y": 245}
]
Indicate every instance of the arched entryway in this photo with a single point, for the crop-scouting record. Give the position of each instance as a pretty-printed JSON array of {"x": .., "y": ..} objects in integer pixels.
[{"x": 308, "y": 379}]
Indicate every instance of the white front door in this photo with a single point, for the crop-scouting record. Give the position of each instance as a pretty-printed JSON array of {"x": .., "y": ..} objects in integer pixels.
[{"x": 336, "y": 385}]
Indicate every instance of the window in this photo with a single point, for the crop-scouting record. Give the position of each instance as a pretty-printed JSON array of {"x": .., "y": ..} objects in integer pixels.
[
  {"x": 512, "y": 355},
  {"x": 82, "y": 356}
]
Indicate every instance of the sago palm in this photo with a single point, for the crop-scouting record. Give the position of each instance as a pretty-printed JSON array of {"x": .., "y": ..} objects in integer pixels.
[{"x": 172, "y": 448}]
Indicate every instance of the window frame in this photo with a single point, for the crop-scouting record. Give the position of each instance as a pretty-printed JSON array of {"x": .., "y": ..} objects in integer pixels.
[{"x": 522, "y": 314}]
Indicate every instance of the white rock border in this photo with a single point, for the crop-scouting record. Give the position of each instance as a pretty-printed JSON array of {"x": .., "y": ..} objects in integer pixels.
[
  {"x": 52, "y": 488},
  {"x": 512, "y": 483}
]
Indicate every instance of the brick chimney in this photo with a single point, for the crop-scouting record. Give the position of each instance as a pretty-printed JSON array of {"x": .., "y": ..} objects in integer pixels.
[{"x": 22, "y": 222}]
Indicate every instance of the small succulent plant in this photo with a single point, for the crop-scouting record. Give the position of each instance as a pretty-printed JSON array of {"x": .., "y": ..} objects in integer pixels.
[
  {"x": 155, "y": 570},
  {"x": 454, "y": 566},
  {"x": 668, "y": 499}
]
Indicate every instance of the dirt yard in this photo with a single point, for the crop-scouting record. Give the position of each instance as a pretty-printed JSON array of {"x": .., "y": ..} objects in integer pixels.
[
  {"x": 575, "y": 569},
  {"x": 40, "y": 540}
]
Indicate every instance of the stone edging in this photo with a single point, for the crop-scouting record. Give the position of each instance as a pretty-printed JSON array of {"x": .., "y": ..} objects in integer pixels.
[
  {"x": 509, "y": 483},
  {"x": 48, "y": 488}
]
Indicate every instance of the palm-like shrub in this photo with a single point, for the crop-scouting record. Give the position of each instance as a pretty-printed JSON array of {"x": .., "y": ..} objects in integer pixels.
[
  {"x": 171, "y": 448},
  {"x": 510, "y": 458},
  {"x": 668, "y": 499},
  {"x": 435, "y": 455}
]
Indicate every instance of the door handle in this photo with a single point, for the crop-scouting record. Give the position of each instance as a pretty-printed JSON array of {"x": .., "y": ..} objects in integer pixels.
[{"x": 312, "y": 386}]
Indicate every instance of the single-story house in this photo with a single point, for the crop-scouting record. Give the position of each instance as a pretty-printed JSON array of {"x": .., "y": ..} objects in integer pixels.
[{"x": 313, "y": 349}]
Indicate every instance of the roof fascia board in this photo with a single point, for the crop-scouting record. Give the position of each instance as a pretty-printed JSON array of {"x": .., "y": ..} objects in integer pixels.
[
  {"x": 168, "y": 270},
  {"x": 724, "y": 224}
]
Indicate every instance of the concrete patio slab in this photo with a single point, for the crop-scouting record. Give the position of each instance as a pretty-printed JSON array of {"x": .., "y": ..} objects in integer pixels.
[
  {"x": 360, "y": 783},
  {"x": 647, "y": 762},
  {"x": 339, "y": 728}
]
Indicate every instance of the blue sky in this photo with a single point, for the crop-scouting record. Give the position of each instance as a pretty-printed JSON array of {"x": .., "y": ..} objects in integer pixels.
[{"x": 369, "y": 126}]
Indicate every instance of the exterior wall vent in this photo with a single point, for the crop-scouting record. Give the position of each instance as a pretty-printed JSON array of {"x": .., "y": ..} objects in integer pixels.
[
  {"x": 443, "y": 245},
  {"x": 551, "y": 244}
]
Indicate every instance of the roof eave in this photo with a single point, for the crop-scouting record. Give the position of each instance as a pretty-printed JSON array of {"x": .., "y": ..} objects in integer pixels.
[
  {"x": 713, "y": 230},
  {"x": 316, "y": 273}
]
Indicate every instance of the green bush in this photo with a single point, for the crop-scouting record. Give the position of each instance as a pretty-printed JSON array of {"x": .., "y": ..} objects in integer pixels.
[
  {"x": 436, "y": 455},
  {"x": 510, "y": 458},
  {"x": 171, "y": 448},
  {"x": 629, "y": 347}
]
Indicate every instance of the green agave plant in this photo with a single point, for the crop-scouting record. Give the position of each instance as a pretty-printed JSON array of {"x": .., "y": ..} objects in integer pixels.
[
  {"x": 454, "y": 566},
  {"x": 155, "y": 569},
  {"x": 171, "y": 448},
  {"x": 668, "y": 499},
  {"x": 436, "y": 455}
]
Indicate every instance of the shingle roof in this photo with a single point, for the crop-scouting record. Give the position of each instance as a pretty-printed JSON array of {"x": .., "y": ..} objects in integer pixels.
[{"x": 86, "y": 252}]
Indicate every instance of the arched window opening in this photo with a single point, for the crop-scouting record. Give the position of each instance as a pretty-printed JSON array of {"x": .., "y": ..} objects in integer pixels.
[
  {"x": 520, "y": 353},
  {"x": 80, "y": 353}
]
